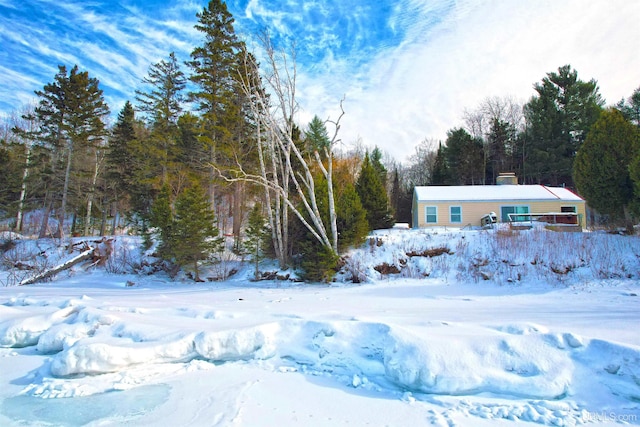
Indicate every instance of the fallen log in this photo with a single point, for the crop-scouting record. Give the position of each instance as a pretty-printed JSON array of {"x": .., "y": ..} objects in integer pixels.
[{"x": 57, "y": 269}]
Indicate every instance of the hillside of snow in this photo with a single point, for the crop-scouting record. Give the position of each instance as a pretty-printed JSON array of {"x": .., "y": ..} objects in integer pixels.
[{"x": 442, "y": 327}]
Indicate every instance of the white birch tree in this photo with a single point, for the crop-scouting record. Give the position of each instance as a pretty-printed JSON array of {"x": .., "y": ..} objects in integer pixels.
[{"x": 284, "y": 172}]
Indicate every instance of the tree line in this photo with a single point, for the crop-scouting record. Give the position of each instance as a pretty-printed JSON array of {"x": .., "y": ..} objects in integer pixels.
[{"x": 211, "y": 147}]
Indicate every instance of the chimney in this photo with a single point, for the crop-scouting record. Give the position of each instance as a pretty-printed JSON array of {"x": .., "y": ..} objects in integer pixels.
[{"x": 507, "y": 178}]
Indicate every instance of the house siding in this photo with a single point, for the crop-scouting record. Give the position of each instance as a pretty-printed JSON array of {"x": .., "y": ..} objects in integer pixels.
[{"x": 472, "y": 212}]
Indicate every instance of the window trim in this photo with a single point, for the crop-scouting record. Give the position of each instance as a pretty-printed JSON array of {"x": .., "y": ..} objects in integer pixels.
[
  {"x": 426, "y": 214},
  {"x": 451, "y": 214}
]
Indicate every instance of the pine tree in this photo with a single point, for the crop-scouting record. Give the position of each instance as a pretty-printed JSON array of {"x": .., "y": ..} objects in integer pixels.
[
  {"x": 161, "y": 218},
  {"x": 119, "y": 162},
  {"x": 376, "y": 162},
  {"x": 187, "y": 235},
  {"x": 316, "y": 136},
  {"x": 162, "y": 101},
  {"x": 373, "y": 196},
  {"x": 194, "y": 238},
  {"x": 71, "y": 111},
  {"x": 352, "y": 218},
  {"x": 631, "y": 108},
  {"x": 256, "y": 234},
  {"x": 215, "y": 70},
  {"x": 500, "y": 145},
  {"x": 318, "y": 262},
  {"x": 162, "y": 104},
  {"x": 558, "y": 118},
  {"x": 464, "y": 158},
  {"x": 601, "y": 168},
  {"x": 441, "y": 172}
]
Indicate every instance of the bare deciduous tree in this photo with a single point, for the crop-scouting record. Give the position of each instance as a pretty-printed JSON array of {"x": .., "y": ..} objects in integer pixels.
[{"x": 284, "y": 172}]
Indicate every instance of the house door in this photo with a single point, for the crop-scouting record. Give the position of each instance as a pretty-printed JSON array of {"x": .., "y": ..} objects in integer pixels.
[{"x": 506, "y": 210}]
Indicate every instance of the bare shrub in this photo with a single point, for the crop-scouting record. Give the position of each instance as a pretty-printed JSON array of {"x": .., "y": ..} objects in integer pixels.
[
  {"x": 224, "y": 267},
  {"x": 433, "y": 252},
  {"x": 356, "y": 268},
  {"x": 120, "y": 260},
  {"x": 24, "y": 261}
]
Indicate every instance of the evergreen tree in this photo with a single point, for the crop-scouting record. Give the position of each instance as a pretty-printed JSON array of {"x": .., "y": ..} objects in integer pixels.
[
  {"x": 558, "y": 119},
  {"x": 376, "y": 162},
  {"x": 162, "y": 101},
  {"x": 373, "y": 196},
  {"x": 441, "y": 172},
  {"x": 10, "y": 174},
  {"x": 352, "y": 217},
  {"x": 194, "y": 238},
  {"x": 191, "y": 154},
  {"x": 215, "y": 72},
  {"x": 162, "y": 104},
  {"x": 186, "y": 234},
  {"x": 256, "y": 235},
  {"x": 464, "y": 158},
  {"x": 501, "y": 141},
  {"x": 601, "y": 168},
  {"x": 161, "y": 218},
  {"x": 71, "y": 110},
  {"x": 316, "y": 136},
  {"x": 631, "y": 108},
  {"x": 119, "y": 162},
  {"x": 318, "y": 262}
]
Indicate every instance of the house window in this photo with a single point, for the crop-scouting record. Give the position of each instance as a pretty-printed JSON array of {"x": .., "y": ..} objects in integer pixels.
[
  {"x": 514, "y": 210},
  {"x": 571, "y": 209},
  {"x": 455, "y": 214},
  {"x": 431, "y": 214}
]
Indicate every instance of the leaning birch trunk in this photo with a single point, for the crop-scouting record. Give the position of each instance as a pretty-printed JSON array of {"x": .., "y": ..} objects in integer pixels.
[
  {"x": 88, "y": 253},
  {"x": 328, "y": 174}
]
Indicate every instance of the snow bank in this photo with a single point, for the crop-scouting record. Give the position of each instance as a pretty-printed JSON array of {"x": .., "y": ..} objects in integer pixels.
[
  {"x": 524, "y": 366},
  {"x": 520, "y": 360}
]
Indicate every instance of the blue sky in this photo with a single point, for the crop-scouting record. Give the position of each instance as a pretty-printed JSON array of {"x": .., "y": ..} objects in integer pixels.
[{"x": 407, "y": 68}]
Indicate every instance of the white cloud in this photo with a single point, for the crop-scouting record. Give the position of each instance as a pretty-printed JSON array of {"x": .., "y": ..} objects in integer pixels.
[{"x": 481, "y": 49}]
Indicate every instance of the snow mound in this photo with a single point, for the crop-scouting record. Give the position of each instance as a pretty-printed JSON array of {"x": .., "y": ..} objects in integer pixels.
[{"x": 518, "y": 360}]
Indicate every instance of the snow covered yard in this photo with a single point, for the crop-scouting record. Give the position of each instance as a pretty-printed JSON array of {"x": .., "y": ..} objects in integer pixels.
[{"x": 468, "y": 329}]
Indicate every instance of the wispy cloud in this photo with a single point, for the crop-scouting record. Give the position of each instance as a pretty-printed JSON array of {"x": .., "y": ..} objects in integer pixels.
[
  {"x": 115, "y": 42},
  {"x": 455, "y": 54},
  {"x": 407, "y": 68}
]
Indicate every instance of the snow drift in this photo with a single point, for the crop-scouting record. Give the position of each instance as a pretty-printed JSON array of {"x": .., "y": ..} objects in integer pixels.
[{"x": 444, "y": 348}]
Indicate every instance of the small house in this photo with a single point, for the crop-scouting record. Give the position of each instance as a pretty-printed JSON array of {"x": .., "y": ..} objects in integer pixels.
[{"x": 467, "y": 205}]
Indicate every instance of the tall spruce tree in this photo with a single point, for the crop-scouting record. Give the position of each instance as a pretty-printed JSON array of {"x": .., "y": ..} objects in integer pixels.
[
  {"x": 161, "y": 102},
  {"x": 215, "y": 72},
  {"x": 441, "y": 171},
  {"x": 464, "y": 158},
  {"x": 558, "y": 118},
  {"x": 376, "y": 162},
  {"x": 373, "y": 196},
  {"x": 119, "y": 162},
  {"x": 71, "y": 110},
  {"x": 601, "y": 169}
]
